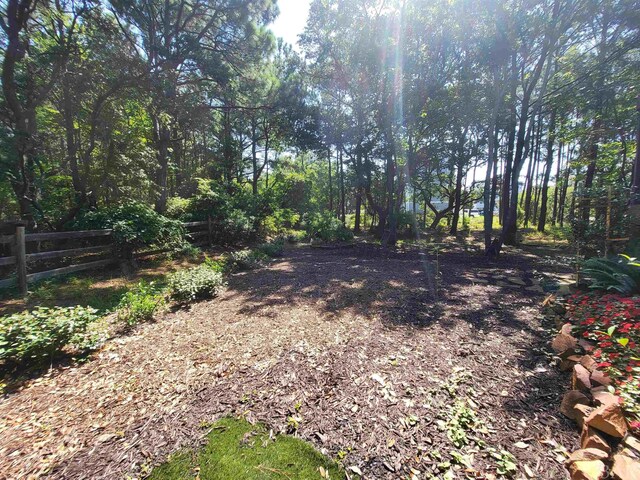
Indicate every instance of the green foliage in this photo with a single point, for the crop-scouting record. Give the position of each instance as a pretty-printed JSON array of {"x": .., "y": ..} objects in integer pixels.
[
  {"x": 295, "y": 236},
  {"x": 273, "y": 249},
  {"x": 235, "y": 215},
  {"x": 195, "y": 283},
  {"x": 43, "y": 333},
  {"x": 135, "y": 226},
  {"x": 281, "y": 220},
  {"x": 505, "y": 463},
  {"x": 72, "y": 289},
  {"x": 405, "y": 223},
  {"x": 243, "y": 260},
  {"x": 242, "y": 451},
  {"x": 621, "y": 275},
  {"x": 177, "y": 208},
  {"x": 460, "y": 419},
  {"x": 217, "y": 265},
  {"x": 141, "y": 303},
  {"x": 326, "y": 227}
]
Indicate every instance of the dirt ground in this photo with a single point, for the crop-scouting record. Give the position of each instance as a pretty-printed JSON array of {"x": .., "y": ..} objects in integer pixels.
[{"x": 363, "y": 350}]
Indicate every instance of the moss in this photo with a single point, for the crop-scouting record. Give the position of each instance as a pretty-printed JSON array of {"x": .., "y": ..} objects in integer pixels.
[{"x": 240, "y": 451}]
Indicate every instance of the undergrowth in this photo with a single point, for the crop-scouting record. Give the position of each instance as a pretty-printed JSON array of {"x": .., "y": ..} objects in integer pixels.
[{"x": 239, "y": 450}]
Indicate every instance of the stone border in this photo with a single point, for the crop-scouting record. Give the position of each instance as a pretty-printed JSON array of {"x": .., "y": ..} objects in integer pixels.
[{"x": 607, "y": 448}]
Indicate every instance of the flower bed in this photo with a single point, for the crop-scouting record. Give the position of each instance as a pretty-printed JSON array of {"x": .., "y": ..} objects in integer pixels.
[{"x": 612, "y": 323}]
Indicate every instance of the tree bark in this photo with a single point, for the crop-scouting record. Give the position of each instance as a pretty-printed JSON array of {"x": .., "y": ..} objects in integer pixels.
[{"x": 547, "y": 173}]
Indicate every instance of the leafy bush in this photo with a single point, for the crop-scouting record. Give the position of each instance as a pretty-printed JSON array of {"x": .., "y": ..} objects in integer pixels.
[
  {"x": 405, "y": 224},
  {"x": 135, "y": 226},
  {"x": 275, "y": 248},
  {"x": 42, "y": 333},
  {"x": 245, "y": 260},
  {"x": 612, "y": 322},
  {"x": 177, "y": 208},
  {"x": 235, "y": 214},
  {"x": 280, "y": 221},
  {"x": 217, "y": 265},
  {"x": 195, "y": 283},
  {"x": 327, "y": 227},
  {"x": 141, "y": 303},
  {"x": 621, "y": 275},
  {"x": 295, "y": 236}
]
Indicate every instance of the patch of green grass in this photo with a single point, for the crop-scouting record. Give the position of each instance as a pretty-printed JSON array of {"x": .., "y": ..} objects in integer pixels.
[
  {"x": 71, "y": 289},
  {"x": 238, "y": 450}
]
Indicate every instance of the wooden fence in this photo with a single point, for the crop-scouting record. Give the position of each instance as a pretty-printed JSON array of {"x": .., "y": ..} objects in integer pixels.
[{"x": 83, "y": 258}]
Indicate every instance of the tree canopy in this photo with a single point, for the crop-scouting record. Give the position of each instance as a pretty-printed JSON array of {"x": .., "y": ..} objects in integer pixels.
[{"x": 392, "y": 114}]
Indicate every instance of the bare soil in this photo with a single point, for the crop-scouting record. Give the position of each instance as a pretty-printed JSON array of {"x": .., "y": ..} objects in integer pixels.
[{"x": 361, "y": 345}]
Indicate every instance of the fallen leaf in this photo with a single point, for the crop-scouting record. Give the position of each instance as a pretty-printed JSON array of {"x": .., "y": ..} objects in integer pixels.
[{"x": 355, "y": 470}]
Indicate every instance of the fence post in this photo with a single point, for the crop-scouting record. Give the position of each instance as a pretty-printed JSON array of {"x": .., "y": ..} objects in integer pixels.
[
  {"x": 21, "y": 259},
  {"x": 210, "y": 229}
]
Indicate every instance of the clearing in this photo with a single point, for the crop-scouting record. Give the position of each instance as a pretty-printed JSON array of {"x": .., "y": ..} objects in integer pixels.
[{"x": 358, "y": 350}]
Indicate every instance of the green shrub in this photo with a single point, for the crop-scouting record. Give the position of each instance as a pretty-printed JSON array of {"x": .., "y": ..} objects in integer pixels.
[
  {"x": 325, "y": 226},
  {"x": 273, "y": 249},
  {"x": 234, "y": 214},
  {"x": 195, "y": 283},
  {"x": 141, "y": 303},
  {"x": 405, "y": 223},
  {"x": 217, "y": 265},
  {"x": 245, "y": 260},
  {"x": 280, "y": 221},
  {"x": 621, "y": 275},
  {"x": 135, "y": 226},
  {"x": 41, "y": 334},
  {"x": 295, "y": 236},
  {"x": 177, "y": 208}
]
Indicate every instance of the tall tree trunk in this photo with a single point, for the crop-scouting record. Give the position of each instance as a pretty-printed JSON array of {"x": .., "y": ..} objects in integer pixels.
[
  {"x": 634, "y": 207},
  {"x": 343, "y": 209},
  {"x": 163, "y": 140},
  {"x": 458, "y": 199},
  {"x": 511, "y": 143},
  {"x": 531, "y": 171},
  {"x": 330, "y": 181},
  {"x": 80, "y": 192},
  {"x": 556, "y": 190},
  {"x": 254, "y": 158},
  {"x": 547, "y": 173}
]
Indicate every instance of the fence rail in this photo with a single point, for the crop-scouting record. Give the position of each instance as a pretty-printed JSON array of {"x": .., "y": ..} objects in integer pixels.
[{"x": 20, "y": 258}]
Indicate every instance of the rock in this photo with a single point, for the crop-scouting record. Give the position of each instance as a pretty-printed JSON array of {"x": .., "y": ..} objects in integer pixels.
[
  {"x": 598, "y": 377},
  {"x": 587, "y": 464},
  {"x": 564, "y": 341},
  {"x": 604, "y": 397},
  {"x": 587, "y": 470},
  {"x": 586, "y": 345},
  {"x": 581, "y": 378},
  {"x": 625, "y": 468},
  {"x": 569, "y": 402},
  {"x": 587, "y": 454},
  {"x": 608, "y": 419},
  {"x": 590, "y": 438},
  {"x": 588, "y": 362},
  {"x": 582, "y": 412},
  {"x": 633, "y": 443},
  {"x": 568, "y": 363}
]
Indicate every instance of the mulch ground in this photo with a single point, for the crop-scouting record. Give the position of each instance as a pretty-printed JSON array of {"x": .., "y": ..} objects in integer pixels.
[{"x": 364, "y": 347}]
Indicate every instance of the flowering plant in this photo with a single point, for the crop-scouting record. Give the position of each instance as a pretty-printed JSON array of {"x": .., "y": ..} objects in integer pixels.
[{"x": 612, "y": 323}]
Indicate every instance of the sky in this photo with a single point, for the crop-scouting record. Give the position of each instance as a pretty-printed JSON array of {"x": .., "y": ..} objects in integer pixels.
[{"x": 292, "y": 19}]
